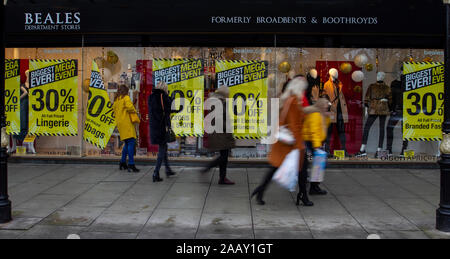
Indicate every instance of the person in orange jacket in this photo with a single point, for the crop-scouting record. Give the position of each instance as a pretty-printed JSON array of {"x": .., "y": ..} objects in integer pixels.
[{"x": 315, "y": 129}]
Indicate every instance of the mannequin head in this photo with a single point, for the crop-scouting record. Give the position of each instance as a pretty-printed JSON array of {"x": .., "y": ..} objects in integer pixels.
[
  {"x": 381, "y": 76},
  {"x": 334, "y": 74},
  {"x": 313, "y": 73}
]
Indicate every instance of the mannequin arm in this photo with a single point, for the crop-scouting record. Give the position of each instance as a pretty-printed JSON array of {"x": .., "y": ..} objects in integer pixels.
[{"x": 25, "y": 92}]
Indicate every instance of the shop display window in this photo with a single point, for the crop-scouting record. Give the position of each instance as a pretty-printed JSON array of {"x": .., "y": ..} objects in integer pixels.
[{"x": 368, "y": 103}]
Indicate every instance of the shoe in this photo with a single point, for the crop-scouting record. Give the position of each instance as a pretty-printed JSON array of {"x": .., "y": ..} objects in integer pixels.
[
  {"x": 361, "y": 154},
  {"x": 156, "y": 178},
  {"x": 258, "y": 194},
  {"x": 316, "y": 190},
  {"x": 226, "y": 181},
  {"x": 170, "y": 173},
  {"x": 123, "y": 166},
  {"x": 304, "y": 198},
  {"x": 133, "y": 168}
]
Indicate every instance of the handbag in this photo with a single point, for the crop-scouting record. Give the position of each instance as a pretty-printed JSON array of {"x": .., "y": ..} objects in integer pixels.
[
  {"x": 284, "y": 135},
  {"x": 170, "y": 135},
  {"x": 287, "y": 174},
  {"x": 134, "y": 118},
  {"x": 318, "y": 166}
]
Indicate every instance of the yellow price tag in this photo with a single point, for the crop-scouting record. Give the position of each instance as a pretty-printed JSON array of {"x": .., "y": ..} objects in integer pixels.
[
  {"x": 409, "y": 153},
  {"x": 339, "y": 154},
  {"x": 29, "y": 139}
]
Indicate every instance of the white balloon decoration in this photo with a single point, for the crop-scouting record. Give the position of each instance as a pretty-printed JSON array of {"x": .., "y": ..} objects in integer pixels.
[
  {"x": 361, "y": 60},
  {"x": 358, "y": 76},
  {"x": 106, "y": 73}
]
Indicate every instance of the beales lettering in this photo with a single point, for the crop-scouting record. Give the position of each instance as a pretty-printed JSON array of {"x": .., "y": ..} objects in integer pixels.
[{"x": 52, "y": 21}]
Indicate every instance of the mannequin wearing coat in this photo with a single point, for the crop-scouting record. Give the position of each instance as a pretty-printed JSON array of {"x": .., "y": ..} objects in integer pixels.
[
  {"x": 377, "y": 101},
  {"x": 339, "y": 113}
]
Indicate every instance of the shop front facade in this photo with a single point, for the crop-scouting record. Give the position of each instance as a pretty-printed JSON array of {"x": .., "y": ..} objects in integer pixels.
[{"x": 77, "y": 56}]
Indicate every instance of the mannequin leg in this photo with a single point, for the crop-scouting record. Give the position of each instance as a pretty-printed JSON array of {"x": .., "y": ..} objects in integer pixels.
[
  {"x": 341, "y": 132},
  {"x": 382, "y": 127},
  {"x": 393, "y": 120},
  {"x": 367, "y": 127}
]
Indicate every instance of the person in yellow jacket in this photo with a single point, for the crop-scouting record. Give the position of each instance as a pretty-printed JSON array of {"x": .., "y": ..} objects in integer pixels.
[
  {"x": 315, "y": 129},
  {"x": 123, "y": 108}
]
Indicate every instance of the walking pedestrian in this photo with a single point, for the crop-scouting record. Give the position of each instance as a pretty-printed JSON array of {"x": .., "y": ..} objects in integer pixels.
[
  {"x": 126, "y": 117},
  {"x": 159, "y": 109},
  {"x": 221, "y": 142},
  {"x": 291, "y": 99},
  {"x": 315, "y": 129}
]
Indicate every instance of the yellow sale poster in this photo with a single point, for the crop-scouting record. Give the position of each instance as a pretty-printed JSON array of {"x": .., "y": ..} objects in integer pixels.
[
  {"x": 423, "y": 109},
  {"x": 53, "y": 97},
  {"x": 185, "y": 80},
  {"x": 12, "y": 96},
  {"x": 247, "y": 81},
  {"x": 100, "y": 120}
]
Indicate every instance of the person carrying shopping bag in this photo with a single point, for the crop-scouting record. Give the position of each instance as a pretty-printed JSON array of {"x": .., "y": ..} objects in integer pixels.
[
  {"x": 159, "y": 109},
  {"x": 292, "y": 117},
  {"x": 126, "y": 117},
  {"x": 314, "y": 134},
  {"x": 221, "y": 141}
]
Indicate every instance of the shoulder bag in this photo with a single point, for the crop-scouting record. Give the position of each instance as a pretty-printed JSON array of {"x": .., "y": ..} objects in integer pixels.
[{"x": 170, "y": 135}]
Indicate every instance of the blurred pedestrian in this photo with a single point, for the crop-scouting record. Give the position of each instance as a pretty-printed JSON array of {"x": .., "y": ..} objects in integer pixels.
[
  {"x": 291, "y": 100},
  {"x": 159, "y": 109},
  {"x": 315, "y": 129},
  {"x": 221, "y": 142},
  {"x": 124, "y": 110}
]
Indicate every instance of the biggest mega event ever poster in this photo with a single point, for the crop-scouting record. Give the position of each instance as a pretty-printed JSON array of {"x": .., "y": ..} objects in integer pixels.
[
  {"x": 53, "y": 100},
  {"x": 100, "y": 119},
  {"x": 12, "y": 96},
  {"x": 247, "y": 80},
  {"x": 423, "y": 97},
  {"x": 185, "y": 80}
]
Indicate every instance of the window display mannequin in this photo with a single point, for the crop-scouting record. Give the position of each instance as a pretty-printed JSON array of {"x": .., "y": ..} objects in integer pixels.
[
  {"x": 314, "y": 90},
  {"x": 24, "y": 88},
  {"x": 396, "y": 109},
  {"x": 339, "y": 113},
  {"x": 377, "y": 100}
]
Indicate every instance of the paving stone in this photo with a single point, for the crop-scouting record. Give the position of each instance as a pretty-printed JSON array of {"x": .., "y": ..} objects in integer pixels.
[
  {"x": 51, "y": 232},
  {"x": 279, "y": 220},
  {"x": 120, "y": 221},
  {"x": 418, "y": 211},
  {"x": 227, "y": 205},
  {"x": 11, "y": 234},
  {"x": 168, "y": 233},
  {"x": 107, "y": 235},
  {"x": 375, "y": 215},
  {"x": 73, "y": 216},
  {"x": 282, "y": 234},
  {"x": 225, "y": 224},
  {"x": 174, "y": 218},
  {"x": 402, "y": 235},
  {"x": 20, "y": 223},
  {"x": 340, "y": 234}
]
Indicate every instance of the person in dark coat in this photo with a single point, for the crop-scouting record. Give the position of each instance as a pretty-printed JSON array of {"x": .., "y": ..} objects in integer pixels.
[
  {"x": 159, "y": 108},
  {"x": 221, "y": 142}
]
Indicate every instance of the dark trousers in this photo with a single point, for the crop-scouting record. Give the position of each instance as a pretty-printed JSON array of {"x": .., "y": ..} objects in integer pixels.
[
  {"x": 162, "y": 157},
  {"x": 393, "y": 121},
  {"x": 340, "y": 125},
  {"x": 369, "y": 123},
  {"x": 222, "y": 162}
]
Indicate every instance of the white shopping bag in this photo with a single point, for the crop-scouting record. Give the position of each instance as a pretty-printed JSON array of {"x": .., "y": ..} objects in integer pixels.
[
  {"x": 287, "y": 173},
  {"x": 318, "y": 166}
]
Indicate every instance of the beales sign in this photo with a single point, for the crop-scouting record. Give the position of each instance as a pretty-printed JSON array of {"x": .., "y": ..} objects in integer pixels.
[{"x": 52, "y": 21}]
